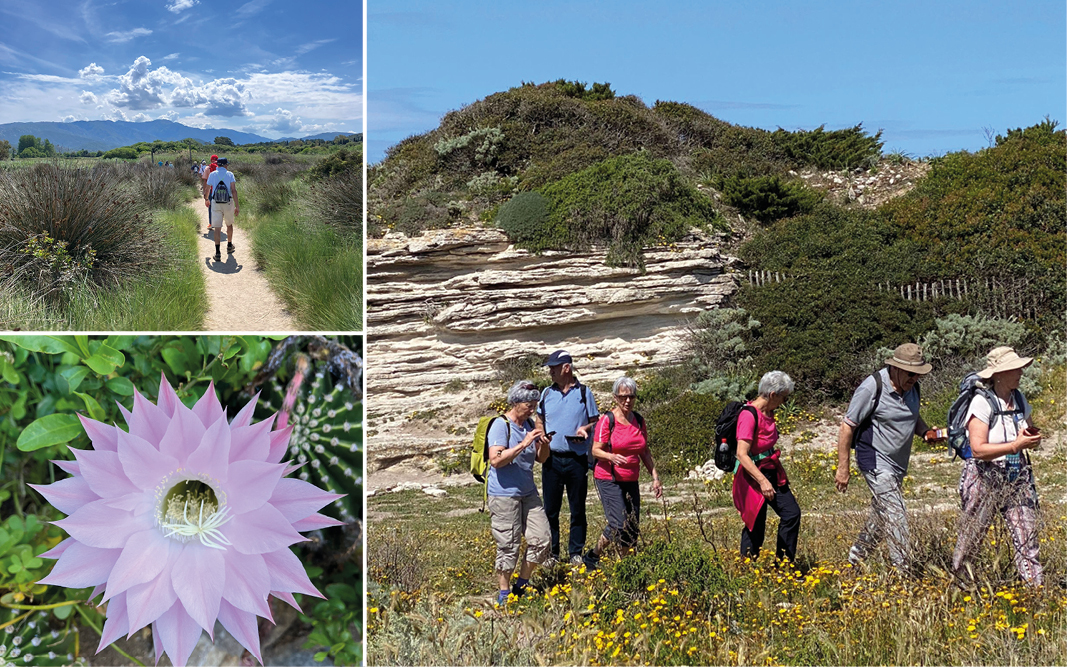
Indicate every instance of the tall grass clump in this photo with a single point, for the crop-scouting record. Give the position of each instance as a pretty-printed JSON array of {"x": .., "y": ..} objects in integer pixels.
[
  {"x": 60, "y": 224},
  {"x": 156, "y": 187},
  {"x": 337, "y": 201}
]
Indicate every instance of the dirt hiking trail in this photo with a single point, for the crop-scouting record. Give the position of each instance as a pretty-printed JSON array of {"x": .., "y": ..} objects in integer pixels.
[{"x": 239, "y": 298}]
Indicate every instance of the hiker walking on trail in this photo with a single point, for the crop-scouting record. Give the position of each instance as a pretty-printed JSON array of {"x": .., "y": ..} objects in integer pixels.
[
  {"x": 567, "y": 409},
  {"x": 882, "y": 418},
  {"x": 515, "y": 509},
  {"x": 760, "y": 480},
  {"x": 620, "y": 446},
  {"x": 998, "y": 476},
  {"x": 221, "y": 200}
]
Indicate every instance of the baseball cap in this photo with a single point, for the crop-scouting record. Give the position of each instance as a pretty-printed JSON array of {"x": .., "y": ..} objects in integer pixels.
[{"x": 558, "y": 358}]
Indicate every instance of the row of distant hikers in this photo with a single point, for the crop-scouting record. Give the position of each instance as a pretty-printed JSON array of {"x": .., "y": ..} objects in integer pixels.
[
  {"x": 560, "y": 428},
  {"x": 219, "y": 187}
]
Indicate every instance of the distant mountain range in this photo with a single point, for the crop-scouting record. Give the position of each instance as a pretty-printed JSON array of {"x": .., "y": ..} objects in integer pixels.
[{"x": 102, "y": 135}]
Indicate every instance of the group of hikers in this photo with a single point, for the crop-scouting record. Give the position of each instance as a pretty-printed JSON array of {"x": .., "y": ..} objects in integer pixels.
[
  {"x": 219, "y": 187},
  {"x": 562, "y": 429}
]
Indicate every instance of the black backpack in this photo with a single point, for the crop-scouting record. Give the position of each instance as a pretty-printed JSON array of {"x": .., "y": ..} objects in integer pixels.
[
  {"x": 725, "y": 444},
  {"x": 221, "y": 193}
]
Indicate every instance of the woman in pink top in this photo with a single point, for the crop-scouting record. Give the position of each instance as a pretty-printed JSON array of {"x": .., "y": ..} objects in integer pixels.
[
  {"x": 760, "y": 479},
  {"x": 620, "y": 445}
]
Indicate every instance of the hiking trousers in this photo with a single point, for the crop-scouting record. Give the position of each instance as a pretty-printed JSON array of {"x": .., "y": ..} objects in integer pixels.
[
  {"x": 886, "y": 520},
  {"x": 512, "y": 518},
  {"x": 986, "y": 489},
  {"x": 570, "y": 473},
  {"x": 622, "y": 509},
  {"x": 785, "y": 506}
]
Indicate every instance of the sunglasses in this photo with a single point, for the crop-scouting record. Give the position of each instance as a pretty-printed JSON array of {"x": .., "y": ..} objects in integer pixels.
[{"x": 624, "y": 397}]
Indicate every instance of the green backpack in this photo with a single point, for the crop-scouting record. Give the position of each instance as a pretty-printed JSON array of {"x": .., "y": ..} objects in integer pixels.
[{"x": 480, "y": 447}]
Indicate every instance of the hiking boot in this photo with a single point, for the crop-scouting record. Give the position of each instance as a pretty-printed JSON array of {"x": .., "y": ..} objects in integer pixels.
[
  {"x": 576, "y": 560},
  {"x": 218, "y": 256},
  {"x": 552, "y": 562},
  {"x": 230, "y": 248},
  {"x": 591, "y": 561},
  {"x": 518, "y": 591}
]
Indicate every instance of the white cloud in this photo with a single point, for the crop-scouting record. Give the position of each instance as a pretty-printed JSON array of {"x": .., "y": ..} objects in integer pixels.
[
  {"x": 170, "y": 115},
  {"x": 87, "y": 97},
  {"x": 225, "y": 98},
  {"x": 311, "y": 46},
  {"x": 91, "y": 71},
  {"x": 171, "y": 56},
  {"x": 284, "y": 122},
  {"x": 121, "y": 37},
  {"x": 141, "y": 118},
  {"x": 196, "y": 120},
  {"x": 251, "y": 8},
  {"x": 142, "y": 88},
  {"x": 69, "y": 119},
  {"x": 177, "y": 6}
]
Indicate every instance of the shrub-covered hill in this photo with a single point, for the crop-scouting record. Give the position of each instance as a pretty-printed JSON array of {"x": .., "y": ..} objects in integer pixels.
[{"x": 533, "y": 137}]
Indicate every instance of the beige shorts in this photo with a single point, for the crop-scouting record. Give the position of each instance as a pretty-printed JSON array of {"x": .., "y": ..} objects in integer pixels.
[
  {"x": 513, "y": 518},
  {"x": 221, "y": 214}
]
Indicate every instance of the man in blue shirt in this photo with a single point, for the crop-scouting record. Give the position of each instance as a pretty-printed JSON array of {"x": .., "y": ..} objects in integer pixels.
[{"x": 568, "y": 408}]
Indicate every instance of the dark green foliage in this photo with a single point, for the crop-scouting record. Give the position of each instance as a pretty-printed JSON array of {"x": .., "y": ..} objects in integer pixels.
[
  {"x": 157, "y": 188},
  {"x": 412, "y": 214},
  {"x": 599, "y": 91},
  {"x": 28, "y": 141},
  {"x": 223, "y": 141},
  {"x": 838, "y": 149},
  {"x": 693, "y": 570},
  {"x": 768, "y": 198},
  {"x": 272, "y": 195},
  {"x": 338, "y": 162},
  {"x": 718, "y": 148},
  {"x": 5, "y": 150},
  {"x": 680, "y": 431},
  {"x": 625, "y": 203},
  {"x": 123, "y": 152},
  {"x": 524, "y": 217},
  {"x": 87, "y": 211},
  {"x": 338, "y": 201}
]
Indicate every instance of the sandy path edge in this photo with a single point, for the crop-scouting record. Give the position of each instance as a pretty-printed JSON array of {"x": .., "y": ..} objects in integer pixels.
[{"x": 239, "y": 298}]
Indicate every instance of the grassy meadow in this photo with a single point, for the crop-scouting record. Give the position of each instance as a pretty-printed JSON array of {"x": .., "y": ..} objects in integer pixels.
[{"x": 687, "y": 597}]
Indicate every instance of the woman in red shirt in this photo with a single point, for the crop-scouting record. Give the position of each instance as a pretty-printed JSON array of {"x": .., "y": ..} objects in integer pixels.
[
  {"x": 620, "y": 445},
  {"x": 760, "y": 479}
]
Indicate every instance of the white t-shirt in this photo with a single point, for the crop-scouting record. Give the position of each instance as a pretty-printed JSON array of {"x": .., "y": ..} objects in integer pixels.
[
  {"x": 221, "y": 174},
  {"x": 1006, "y": 427}
]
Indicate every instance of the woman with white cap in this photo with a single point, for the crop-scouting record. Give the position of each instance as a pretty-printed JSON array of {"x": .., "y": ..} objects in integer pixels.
[{"x": 998, "y": 476}]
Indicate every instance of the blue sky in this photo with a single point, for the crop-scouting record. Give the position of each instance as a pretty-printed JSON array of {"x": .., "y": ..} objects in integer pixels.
[
  {"x": 932, "y": 75},
  {"x": 275, "y": 68}
]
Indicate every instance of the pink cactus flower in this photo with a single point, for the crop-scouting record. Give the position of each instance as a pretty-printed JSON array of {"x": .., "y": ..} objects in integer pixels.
[{"x": 183, "y": 520}]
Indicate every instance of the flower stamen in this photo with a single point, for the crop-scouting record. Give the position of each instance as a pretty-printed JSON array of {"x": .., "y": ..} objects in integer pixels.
[{"x": 207, "y": 517}]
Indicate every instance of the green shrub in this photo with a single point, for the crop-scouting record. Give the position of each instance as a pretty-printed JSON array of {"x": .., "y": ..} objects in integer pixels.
[
  {"x": 156, "y": 187},
  {"x": 721, "y": 340},
  {"x": 272, "y": 196},
  {"x": 693, "y": 570},
  {"x": 680, "y": 431},
  {"x": 336, "y": 163},
  {"x": 123, "y": 152},
  {"x": 969, "y": 337},
  {"x": 599, "y": 91},
  {"x": 338, "y": 201},
  {"x": 524, "y": 217},
  {"x": 838, "y": 149},
  {"x": 768, "y": 198},
  {"x": 625, "y": 203}
]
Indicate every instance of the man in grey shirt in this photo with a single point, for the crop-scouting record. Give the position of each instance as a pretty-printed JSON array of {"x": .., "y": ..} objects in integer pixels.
[{"x": 882, "y": 421}]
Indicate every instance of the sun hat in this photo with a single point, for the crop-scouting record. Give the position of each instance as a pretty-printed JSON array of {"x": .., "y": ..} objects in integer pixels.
[
  {"x": 558, "y": 358},
  {"x": 909, "y": 357},
  {"x": 1003, "y": 359}
]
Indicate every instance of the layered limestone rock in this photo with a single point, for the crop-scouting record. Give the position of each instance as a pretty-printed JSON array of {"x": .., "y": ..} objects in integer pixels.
[{"x": 448, "y": 308}]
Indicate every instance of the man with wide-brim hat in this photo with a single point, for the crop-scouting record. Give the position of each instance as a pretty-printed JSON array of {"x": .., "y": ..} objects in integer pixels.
[{"x": 881, "y": 420}]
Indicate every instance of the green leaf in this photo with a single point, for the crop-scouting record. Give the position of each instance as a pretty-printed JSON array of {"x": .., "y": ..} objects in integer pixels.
[
  {"x": 63, "y": 612},
  {"x": 105, "y": 360},
  {"x": 120, "y": 342},
  {"x": 54, "y": 429},
  {"x": 320, "y": 656},
  {"x": 176, "y": 359},
  {"x": 49, "y": 344},
  {"x": 7, "y": 371},
  {"x": 18, "y": 410},
  {"x": 74, "y": 375},
  {"x": 342, "y": 591},
  {"x": 83, "y": 346},
  {"x": 91, "y": 404},
  {"x": 120, "y": 385},
  {"x": 15, "y": 567}
]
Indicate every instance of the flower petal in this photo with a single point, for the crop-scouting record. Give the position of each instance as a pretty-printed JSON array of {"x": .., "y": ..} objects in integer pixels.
[
  {"x": 287, "y": 574},
  {"x": 208, "y": 408},
  {"x": 68, "y": 494},
  {"x": 184, "y": 434},
  {"x": 252, "y": 442},
  {"x": 244, "y": 417},
  {"x": 81, "y": 566},
  {"x": 148, "y": 601},
  {"x": 287, "y": 598},
  {"x": 157, "y": 643},
  {"x": 142, "y": 558},
  {"x": 243, "y": 625},
  {"x": 297, "y": 499},
  {"x": 212, "y": 457},
  {"x": 57, "y": 551},
  {"x": 316, "y": 522},
  {"x": 279, "y": 443},
  {"x": 147, "y": 420},
  {"x": 250, "y": 484},
  {"x": 178, "y": 633},
  {"x": 198, "y": 578},
  {"x": 103, "y": 527},
  {"x": 143, "y": 464},
  {"x": 117, "y": 622},
  {"x": 103, "y": 472},
  {"x": 247, "y": 582},
  {"x": 102, "y": 436},
  {"x": 69, "y": 466},
  {"x": 260, "y": 531},
  {"x": 168, "y": 401}
]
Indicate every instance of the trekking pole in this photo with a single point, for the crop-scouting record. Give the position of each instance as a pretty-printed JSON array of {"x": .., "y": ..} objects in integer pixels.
[{"x": 666, "y": 521}]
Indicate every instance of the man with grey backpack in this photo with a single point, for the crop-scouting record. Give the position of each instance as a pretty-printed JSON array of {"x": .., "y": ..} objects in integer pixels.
[{"x": 220, "y": 196}]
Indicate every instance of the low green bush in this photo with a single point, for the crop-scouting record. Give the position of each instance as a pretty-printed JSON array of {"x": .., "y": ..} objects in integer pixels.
[
  {"x": 689, "y": 568},
  {"x": 524, "y": 217},
  {"x": 768, "y": 198},
  {"x": 681, "y": 431},
  {"x": 838, "y": 149}
]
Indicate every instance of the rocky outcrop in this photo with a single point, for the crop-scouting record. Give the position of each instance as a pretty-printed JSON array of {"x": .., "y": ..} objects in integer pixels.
[{"x": 445, "y": 309}]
